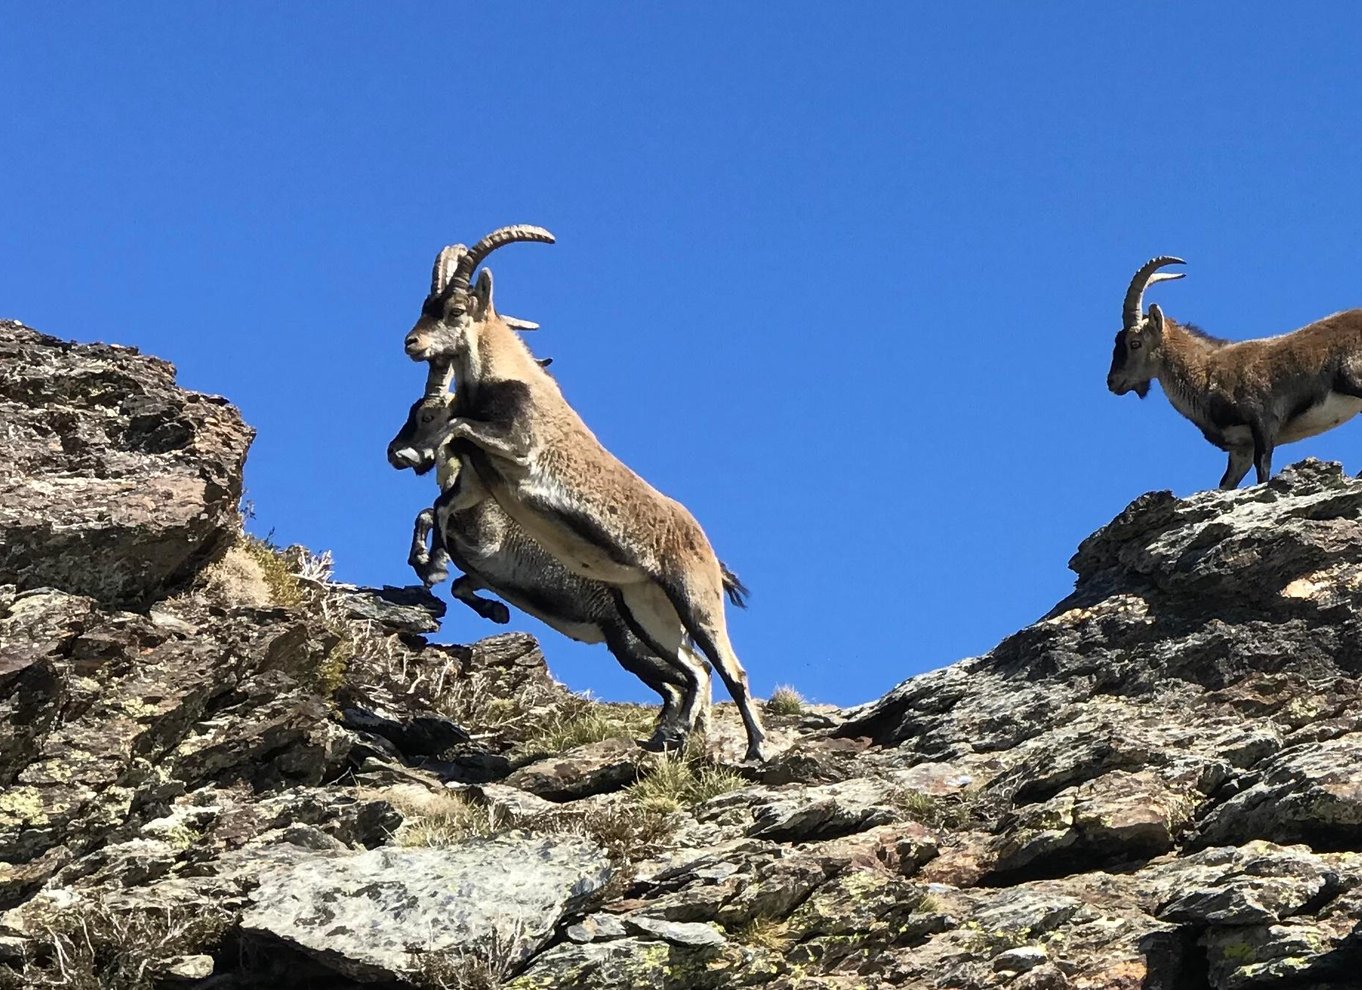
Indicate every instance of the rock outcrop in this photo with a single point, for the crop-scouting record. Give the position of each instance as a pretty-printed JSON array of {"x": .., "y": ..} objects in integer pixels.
[
  {"x": 218, "y": 768},
  {"x": 114, "y": 483}
]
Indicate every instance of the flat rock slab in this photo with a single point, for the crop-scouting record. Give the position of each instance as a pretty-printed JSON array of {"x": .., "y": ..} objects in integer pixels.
[{"x": 362, "y": 915}]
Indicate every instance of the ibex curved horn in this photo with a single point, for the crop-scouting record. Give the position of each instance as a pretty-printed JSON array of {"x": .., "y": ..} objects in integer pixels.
[
  {"x": 497, "y": 238},
  {"x": 445, "y": 263},
  {"x": 1144, "y": 278}
]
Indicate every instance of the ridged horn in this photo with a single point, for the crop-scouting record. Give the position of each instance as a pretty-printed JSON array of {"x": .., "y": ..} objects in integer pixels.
[
  {"x": 445, "y": 264},
  {"x": 1144, "y": 278},
  {"x": 439, "y": 376},
  {"x": 497, "y": 238}
]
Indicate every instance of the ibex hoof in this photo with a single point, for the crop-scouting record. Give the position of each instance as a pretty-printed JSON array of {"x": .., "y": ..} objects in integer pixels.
[
  {"x": 756, "y": 753},
  {"x": 498, "y": 613},
  {"x": 433, "y": 573},
  {"x": 665, "y": 739}
]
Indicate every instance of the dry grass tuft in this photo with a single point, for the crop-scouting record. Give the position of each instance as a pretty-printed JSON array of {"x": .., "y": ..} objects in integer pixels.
[
  {"x": 437, "y": 819},
  {"x": 680, "y": 781},
  {"x": 764, "y": 932},
  {"x": 584, "y": 721},
  {"x": 628, "y": 834},
  {"x": 279, "y": 580},
  {"x": 785, "y": 700},
  {"x": 963, "y": 809},
  {"x": 238, "y": 577}
]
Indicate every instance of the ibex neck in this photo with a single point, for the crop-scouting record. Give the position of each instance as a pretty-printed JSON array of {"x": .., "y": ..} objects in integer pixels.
[
  {"x": 496, "y": 354},
  {"x": 1184, "y": 371}
]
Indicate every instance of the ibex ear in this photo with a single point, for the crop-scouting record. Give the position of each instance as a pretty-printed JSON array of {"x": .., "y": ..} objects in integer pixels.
[
  {"x": 482, "y": 295},
  {"x": 1155, "y": 327},
  {"x": 515, "y": 323}
]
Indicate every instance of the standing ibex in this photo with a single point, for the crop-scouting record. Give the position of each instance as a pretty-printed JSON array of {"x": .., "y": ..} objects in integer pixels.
[
  {"x": 471, "y": 530},
  {"x": 1245, "y": 396},
  {"x": 551, "y": 474}
]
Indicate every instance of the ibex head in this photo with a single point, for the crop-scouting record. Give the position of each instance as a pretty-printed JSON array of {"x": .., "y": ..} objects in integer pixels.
[
  {"x": 1135, "y": 360},
  {"x": 415, "y": 445},
  {"x": 456, "y": 306}
]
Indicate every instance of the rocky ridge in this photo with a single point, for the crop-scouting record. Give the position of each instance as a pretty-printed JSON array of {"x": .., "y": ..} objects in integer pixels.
[{"x": 218, "y": 768}]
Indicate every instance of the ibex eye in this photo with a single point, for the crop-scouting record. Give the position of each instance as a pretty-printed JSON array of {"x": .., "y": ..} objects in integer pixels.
[{"x": 1135, "y": 345}]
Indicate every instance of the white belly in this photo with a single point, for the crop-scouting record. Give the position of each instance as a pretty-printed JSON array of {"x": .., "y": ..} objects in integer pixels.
[{"x": 1331, "y": 412}]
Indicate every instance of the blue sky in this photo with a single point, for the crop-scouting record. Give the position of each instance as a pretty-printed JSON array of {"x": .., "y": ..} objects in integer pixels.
[{"x": 843, "y": 279}]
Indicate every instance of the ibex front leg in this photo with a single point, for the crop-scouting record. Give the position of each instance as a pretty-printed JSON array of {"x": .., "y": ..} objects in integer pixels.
[
  {"x": 497, "y": 439},
  {"x": 1241, "y": 459},
  {"x": 430, "y": 565},
  {"x": 1264, "y": 439}
]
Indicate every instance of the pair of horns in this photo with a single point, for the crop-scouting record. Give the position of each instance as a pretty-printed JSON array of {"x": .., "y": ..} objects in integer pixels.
[
  {"x": 455, "y": 265},
  {"x": 1148, "y": 275}
]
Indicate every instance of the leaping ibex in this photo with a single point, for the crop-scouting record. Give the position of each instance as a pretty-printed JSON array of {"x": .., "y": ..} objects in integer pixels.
[
  {"x": 553, "y": 477},
  {"x": 469, "y": 529},
  {"x": 1245, "y": 396}
]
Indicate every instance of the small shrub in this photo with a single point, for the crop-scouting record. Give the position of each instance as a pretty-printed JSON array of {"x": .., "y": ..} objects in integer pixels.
[
  {"x": 329, "y": 675},
  {"x": 95, "y": 947},
  {"x": 283, "y": 585},
  {"x": 785, "y": 700},
  {"x": 483, "y": 967}
]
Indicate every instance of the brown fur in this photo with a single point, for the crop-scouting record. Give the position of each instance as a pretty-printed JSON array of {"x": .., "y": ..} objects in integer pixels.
[
  {"x": 1249, "y": 396},
  {"x": 554, "y": 477}
]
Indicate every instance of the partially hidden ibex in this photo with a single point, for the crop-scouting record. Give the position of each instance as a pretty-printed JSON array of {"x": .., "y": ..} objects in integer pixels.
[
  {"x": 550, "y": 473},
  {"x": 469, "y": 529},
  {"x": 1245, "y": 396}
]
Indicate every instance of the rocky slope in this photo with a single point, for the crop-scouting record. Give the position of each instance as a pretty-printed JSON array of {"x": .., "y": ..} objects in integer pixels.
[{"x": 220, "y": 769}]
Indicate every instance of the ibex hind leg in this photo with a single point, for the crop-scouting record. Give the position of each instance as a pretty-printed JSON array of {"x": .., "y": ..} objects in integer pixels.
[
  {"x": 699, "y": 601},
  {"x": 465, "y": 590},
  {"x": 678, "y": 686},
  {"x": 651, "y": 619}
]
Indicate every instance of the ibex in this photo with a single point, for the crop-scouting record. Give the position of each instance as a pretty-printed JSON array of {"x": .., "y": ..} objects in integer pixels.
[
  {"x": 551, "y": 474},
  {"x": 470, "y": 529},
  {"x": 1245, "y": 396}
]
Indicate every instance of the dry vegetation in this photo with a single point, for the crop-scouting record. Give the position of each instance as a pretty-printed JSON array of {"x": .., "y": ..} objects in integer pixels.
[
  {"x": 483, "y": 967},
  {"x": 785, "y": 700},
  {"x": 580, "y": 720},
  {"x": 683, "y": 780},
  {"x": 432, "y": 818},
  {"x": 99, "y": 947},
  {"x": 762, "y": 932}
]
